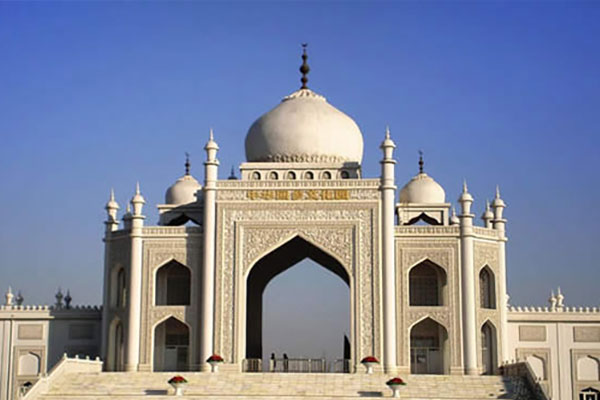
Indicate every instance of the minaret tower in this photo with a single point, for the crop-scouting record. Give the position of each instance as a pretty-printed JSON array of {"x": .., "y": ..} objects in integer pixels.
[
  {"x": 211, "y": 166},
  {"x": 499, "y": 223},
  {"x": 469, "y": 322},
  {"x": 388, "y": 191},
  {"x": 111, "y": 225},
  {"x": 134, "y": 303}
]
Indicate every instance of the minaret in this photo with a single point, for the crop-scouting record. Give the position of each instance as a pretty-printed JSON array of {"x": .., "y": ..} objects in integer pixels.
[
  {"x": 552, "y": 301},
  {"x": 499, "y": 223},
  {"x": 487, "y": 215},
  {"x": 9, "y": 297},
  {"x": 453, "y": 218},
  {"x": 388, "y": 191},
  {"x": 134, "y": 303},
  {"x": 211, "y": 166},
  {"x": 469, "y": 321},
  {"x": 59, "y": 298},
  {"x": 111, "y": 224}
]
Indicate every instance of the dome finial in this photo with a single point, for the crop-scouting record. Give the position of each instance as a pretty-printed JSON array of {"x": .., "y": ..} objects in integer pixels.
[
  {"x": 187, "y": 163},
  {"x": 421, "y": 161},
  {"x": 304, "y": 68}
]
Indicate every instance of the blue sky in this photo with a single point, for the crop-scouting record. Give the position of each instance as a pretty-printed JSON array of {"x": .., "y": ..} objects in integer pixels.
[{"x": 95, "y": 95}]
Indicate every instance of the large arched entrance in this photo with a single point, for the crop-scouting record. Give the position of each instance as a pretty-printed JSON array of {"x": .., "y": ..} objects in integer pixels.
[
  {"x": 171, "y": 346},
  {"x": 265, "y": 270},
  {"x": 488, "y": 349}
]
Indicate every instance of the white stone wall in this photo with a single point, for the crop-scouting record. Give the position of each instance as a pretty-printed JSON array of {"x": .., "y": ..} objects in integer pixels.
[
  {"x": 32, "y": 340},
  {"x": 562, "y": 347}
]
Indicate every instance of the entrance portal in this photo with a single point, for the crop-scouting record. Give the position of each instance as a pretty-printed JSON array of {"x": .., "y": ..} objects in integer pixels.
[
  {"x": 171, "y": 343},
  {"x": 272, "y": 265}
]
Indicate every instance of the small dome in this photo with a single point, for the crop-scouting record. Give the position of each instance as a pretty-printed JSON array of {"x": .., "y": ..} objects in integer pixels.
[
  {"x": 422, "y": 189},
  {"x": 304, "y": 127},
  {"x": 183, "y": 191}
]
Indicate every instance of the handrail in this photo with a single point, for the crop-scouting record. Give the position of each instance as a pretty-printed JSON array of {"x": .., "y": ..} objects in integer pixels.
[
  {"x": 523, "y": 370},
  {"x": 65, "y": 363}
]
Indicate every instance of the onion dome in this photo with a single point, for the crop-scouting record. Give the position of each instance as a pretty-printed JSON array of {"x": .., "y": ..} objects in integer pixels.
[
  {"x": 304, "y": 127},
  {"x": 183, "y": 191},
  {"x": 422, "y": 189}
]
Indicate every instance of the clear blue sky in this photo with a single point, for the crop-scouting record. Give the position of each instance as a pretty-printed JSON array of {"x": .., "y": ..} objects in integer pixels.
[{"x": 95, "y": 95}]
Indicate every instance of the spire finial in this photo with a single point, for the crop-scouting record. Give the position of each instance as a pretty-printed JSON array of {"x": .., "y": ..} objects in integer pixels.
[
  {"x": 465, "y": 188},
  {"x": 421, "y": 161},
  {"x": 137, "y": 187},
  {"x": 304, "y": 68},
  {"x": 487, "y": 205},
  {"x": 211, "y": 135},
  {"x": 187, "y": 163},
  {"x": 387, "y": 131},
  {"x": 128, "y": 208},
  {"x": 497, "y": 191},
  {"x": 112, "y": 194}
]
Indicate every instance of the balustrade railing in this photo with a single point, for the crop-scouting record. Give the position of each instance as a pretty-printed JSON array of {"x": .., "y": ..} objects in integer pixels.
[{"x": 298, "y": 365}]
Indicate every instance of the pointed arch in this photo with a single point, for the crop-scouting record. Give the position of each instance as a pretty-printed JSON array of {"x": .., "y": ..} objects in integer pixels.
[
  {"x": 171, "y": 345},
  {"x": 429, "y": 349},
  {"x": 587, "y": 369},
  {"x": 538, "y": 366},
  {"x": 489, "y": 348},
  {"x": 270, "y": 265},
  {"x": 427, "y": 284},
  {"x": 116, "y": 346},
  {"x": 118, "y": 286},
  {"x": 487, "y": 288},
  {"x": 172, "y": 285}
]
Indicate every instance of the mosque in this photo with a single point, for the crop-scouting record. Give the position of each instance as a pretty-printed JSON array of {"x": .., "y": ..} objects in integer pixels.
[{"x": 427, "y": 283}]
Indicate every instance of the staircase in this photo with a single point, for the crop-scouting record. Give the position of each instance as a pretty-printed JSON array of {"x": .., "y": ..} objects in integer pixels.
[{"x": 271, "y": 386}]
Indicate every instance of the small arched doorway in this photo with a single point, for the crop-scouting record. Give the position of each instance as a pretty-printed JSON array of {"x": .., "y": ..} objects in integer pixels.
[
  {"x": 171, "y": 346},
  {"x": 489, "y": 358},
  {"x": 428, "y": 348},
  {"x": 265, "y": 270}
]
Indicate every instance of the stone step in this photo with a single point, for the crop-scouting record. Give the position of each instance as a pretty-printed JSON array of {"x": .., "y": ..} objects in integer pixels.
[{"x": 270, "y": 386}]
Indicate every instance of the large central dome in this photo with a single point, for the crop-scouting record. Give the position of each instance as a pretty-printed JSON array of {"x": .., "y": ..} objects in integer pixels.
[{"x": 304, "y": 128}]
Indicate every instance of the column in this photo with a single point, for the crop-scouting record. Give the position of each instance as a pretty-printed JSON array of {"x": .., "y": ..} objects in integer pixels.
[
  {"x": 111, "y": 224},
  {"x": 208, "y": 268},
  {"x": 469, "y": 321},
  {"x": 499, "y": 223},
  {"x": 388, "y": 191},
  {"x": 134, "y": 298}
]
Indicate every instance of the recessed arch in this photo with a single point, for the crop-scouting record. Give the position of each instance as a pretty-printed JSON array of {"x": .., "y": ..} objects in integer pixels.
[
  {"x": 118, "y": 286},
  {"x": 172, "y": 284},
  {"x": 427, "y": 284},
  {"x": 275, "y": 262},
  {"x": 587, "y": 369},
  {"x": 171, "y": 345},
  {"x": 489, "y": 348},
  {"x": 538, "y": 366},
  {"x": 487, "y": 288},
  {"x": 29, "y": 364},
  {"x": 116, "y": 346},
  {"x": 429, "y": 349}
]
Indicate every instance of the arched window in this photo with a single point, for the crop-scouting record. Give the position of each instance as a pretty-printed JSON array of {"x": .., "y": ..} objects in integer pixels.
[
  {"x": 120, "y": 300},
  {"x": 273, "y": 176},
  {"x": 427, "y": 284},
  {"x": 344, "y": 175},
  {"x": 487, "y": 292},
  {"x": 309, "y": 175},
  {"x": 291, "y": 175},
  {"x": 326, "y": 175},
  {"x": 173, "y": 285},
  {"x": 587, "y": 369},
  {"x": 256, "y": 176}
]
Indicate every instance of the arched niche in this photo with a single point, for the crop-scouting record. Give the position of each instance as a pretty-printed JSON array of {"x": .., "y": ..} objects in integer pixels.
[
  {"x": 538, "y": 366},
  {"x": 173, "y": 285},
  {"x": 427, "y": 284},
  {"x": 29, "y": 364},
  {"x": 489, "y": 348},
  {"x": 487, "y": 288},
  {"x": 267, "y": 268},
  {"x": 171, "y": 346},
  {"x": 429, "y": 349},
  {"x": 118, "y": 286},
  {"x": 116, "y": 346},
  {"x": 587, "y": 369}
]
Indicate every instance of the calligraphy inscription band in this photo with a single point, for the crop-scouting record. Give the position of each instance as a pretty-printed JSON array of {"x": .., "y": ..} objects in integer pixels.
[{"x": 324, "y": 194}]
